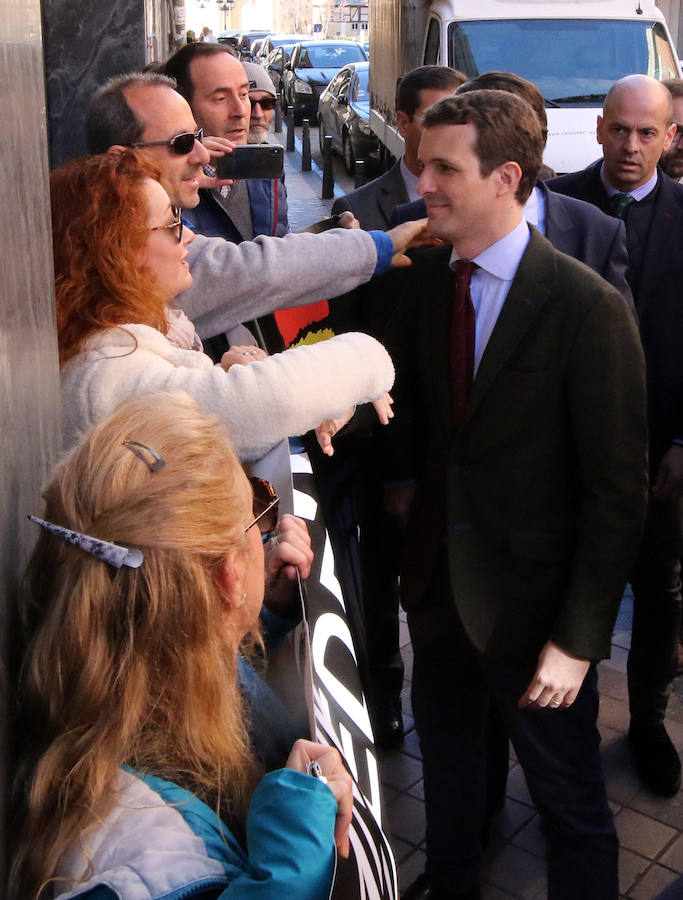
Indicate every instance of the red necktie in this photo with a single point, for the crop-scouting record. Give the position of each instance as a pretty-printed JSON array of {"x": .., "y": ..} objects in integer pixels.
[{"x": 462, "y": 339}]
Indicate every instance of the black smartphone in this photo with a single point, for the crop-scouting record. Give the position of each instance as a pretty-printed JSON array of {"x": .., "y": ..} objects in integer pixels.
[
  {"x": 322, "y": 225},
  {"x": 252, "y": 161}
]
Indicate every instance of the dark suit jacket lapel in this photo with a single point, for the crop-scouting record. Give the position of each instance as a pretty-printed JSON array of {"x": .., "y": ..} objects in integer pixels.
[
  {"x": 434, "y": 339},
  {"x": 392, "y": 192},
  {"x": 528, "y": 292},
  {"x": 558, "y": 225},
  {"x": 663, "y": 241}
]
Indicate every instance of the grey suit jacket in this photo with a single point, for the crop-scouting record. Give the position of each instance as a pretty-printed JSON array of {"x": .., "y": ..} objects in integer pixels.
[
  {"x": 540, "y": 493},
  {"x": 373, "y": 203}
]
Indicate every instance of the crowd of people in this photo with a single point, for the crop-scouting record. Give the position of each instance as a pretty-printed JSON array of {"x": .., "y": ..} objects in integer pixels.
[{"x": 526, "y": 466}]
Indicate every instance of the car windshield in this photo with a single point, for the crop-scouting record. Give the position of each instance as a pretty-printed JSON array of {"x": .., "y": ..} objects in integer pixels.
[
  {"x": 334, "y": 57},
  {"x": 360, "y": 86},
  {"x": 572, "y": 61}
]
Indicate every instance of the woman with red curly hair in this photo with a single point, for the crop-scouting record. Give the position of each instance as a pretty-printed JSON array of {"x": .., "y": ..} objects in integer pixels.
[{"x": 120, "y": 253}]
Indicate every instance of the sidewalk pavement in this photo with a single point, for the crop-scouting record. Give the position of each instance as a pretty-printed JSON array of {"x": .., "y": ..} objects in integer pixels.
[{"x": 650, "y": 828}]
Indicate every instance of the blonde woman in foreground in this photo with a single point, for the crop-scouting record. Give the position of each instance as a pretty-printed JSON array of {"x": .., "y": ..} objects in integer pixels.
[{"x": 137, "y": 779}]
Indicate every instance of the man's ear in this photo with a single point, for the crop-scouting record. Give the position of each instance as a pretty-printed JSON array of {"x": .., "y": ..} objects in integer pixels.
[
  {"x": 402, "y": 121},
  {"x": 598, "y": 130},
  {"x": 230, "y": 576},
  {"x": 509, "y": 176}
]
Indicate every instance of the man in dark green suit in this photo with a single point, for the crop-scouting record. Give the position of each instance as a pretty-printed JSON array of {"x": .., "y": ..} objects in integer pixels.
[{"x": 520, "y": 413}]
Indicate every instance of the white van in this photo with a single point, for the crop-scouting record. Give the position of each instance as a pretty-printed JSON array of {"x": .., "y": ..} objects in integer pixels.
[{"x": 572, "y": 50}]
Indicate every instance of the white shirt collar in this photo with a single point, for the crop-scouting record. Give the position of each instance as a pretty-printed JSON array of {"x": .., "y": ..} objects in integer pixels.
[
  {"x": 638, "y": 194},
  {"x": 502, "y": 258},
  {"x": 409, "y": 180}
]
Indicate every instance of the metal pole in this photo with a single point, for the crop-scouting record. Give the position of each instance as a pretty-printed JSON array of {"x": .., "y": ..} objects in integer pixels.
[
  {"x": 328, "y": 171},
  {"x": 277, "y": 127},
  {"x": 290, "y": 129},
  {"x": 306, "y": 147}
]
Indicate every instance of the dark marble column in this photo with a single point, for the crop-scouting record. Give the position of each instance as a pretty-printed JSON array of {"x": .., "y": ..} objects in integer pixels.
[{"x": 86, "y": 42}]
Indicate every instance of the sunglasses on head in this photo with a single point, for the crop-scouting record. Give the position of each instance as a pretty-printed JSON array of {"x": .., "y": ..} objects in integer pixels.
[
  {"x": 181, "y": 144},
  {"x": 265, "y": 507},
  {"x": 266, "y": 104}
]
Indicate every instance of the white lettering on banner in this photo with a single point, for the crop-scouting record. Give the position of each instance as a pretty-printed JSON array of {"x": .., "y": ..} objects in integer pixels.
[
  {"x": 305, "y": 507},
  {"x": 329, "y": 580},
  {"x": 330, "y": 626},
  {"x": 339, "y": 710}
]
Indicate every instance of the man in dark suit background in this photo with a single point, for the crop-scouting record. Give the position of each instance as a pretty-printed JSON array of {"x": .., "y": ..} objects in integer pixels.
[
  {"x": 636, "y": 128},
  {"x": 525, "y": 402},
  {"x": 572, "y": 226},
  {"x": 372, "y": 204}
]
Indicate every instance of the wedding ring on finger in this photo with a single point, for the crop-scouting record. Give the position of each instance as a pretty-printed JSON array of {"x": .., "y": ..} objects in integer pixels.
[{"x": 555, "y": 701}]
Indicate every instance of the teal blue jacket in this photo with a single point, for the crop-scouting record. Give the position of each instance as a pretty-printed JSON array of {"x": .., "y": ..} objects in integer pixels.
[{"x": 162, "y": 843}]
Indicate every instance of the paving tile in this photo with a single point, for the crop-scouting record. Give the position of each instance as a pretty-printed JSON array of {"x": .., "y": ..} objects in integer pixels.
[
  {"x": 608, "y": 736},
  {"x": 401, "y": 848},
  {"x": 674, "y": 710},
  {"x": 642, "y": 834},
  {"x": 403, "y": 633},
  {"x": 652, "y": 883},
  {"x": 411, "y": 745},
  {"x": 675, "y": 730},
  {"x": 612, "y": 683},
  {"x": 617, "y": 660},
  {"x": 625, "y": 614},
  {"x": 512, "y": 819},
  {"x": 515, "y": 870},
  {"x": 399, "y": 770},
  {"x": 613, "y": 713},
  {"x": 407, "y": 818},
  {"x": 516, "y": 787},
  {"x": 408, "y": 870},
  {"x": 673, "y": 857},
  {"x": 620, "y": 775},
  {"x": 417, "y": 790},
  {"x": 407, "y": 655},
  {"x": 664, "y": 809},
  {"x": 408, "y": 721},
  {"x": 622, "y": 639},
  {"x": 531, "y": 837},
  {"x": 490, "y": 892},
  {"x": 388, "y": 794},
  {"x": 631, "y": 868}
]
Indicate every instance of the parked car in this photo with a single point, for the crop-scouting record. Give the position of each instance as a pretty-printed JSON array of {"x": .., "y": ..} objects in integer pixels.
[
  {"x": 277, "y": 40},
  {"x": 246, "y": 40},
  {"x": 251, "y": 55},
  {"x": 228, "y": 37},
  {"x": 312, "y": 66},
  {"x": 275, "y": 62},
  {"x": 344, "y": 113}
]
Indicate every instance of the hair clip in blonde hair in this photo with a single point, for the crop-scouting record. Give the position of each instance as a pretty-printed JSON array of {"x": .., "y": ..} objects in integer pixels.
[
  {"x": 137, "y": 448},
  {"x": 112, "y": 554}
]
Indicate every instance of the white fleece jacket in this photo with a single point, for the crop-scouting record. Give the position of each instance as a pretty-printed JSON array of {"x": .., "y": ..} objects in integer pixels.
[{"x": 260, "y": 404}]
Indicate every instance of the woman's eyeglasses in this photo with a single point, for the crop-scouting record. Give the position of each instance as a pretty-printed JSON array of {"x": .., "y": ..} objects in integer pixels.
[
  {"x": 266, "y": 104},
  {"x": 181, "y": 144},
  {"x": 265, "y": 507},
  {"x": 177, "y": 223}
]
